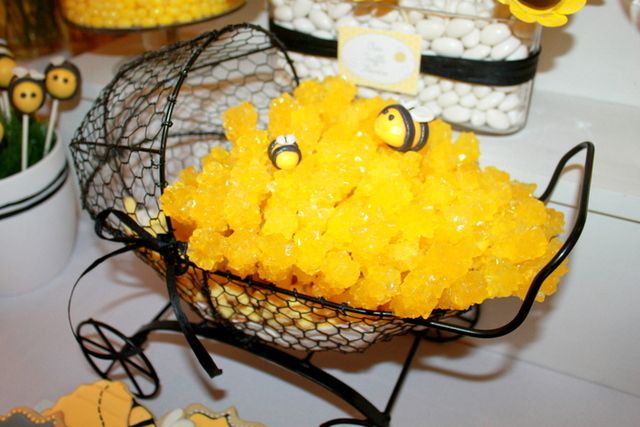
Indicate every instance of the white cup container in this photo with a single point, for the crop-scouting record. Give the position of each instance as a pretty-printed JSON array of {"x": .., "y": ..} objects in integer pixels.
[{"x": 38, "y": 223}]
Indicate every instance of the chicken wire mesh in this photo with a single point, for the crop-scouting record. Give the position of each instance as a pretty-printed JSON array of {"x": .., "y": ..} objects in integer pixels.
[{"x": 161, "y": 113}]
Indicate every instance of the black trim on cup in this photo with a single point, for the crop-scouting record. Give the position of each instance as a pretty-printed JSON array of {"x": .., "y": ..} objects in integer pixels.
[{"x": 14, "y": 208}]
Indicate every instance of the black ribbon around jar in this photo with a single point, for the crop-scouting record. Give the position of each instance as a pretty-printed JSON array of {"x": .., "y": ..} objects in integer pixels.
[
  {"x": 491, "y": 73},
  {"x": 175, "y": 263},
  {"x": 16, "y": 207}
]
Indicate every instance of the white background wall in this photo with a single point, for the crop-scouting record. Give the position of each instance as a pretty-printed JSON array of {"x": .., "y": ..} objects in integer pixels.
[{"x": 596, "y": 55}]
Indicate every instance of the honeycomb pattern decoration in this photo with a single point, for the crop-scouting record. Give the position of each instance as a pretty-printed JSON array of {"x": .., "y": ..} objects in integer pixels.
[{"x": 161, "y": 113}]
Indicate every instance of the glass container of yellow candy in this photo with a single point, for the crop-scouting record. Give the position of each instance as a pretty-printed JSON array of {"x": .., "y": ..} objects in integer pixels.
[{"x": 132, "y": 14}]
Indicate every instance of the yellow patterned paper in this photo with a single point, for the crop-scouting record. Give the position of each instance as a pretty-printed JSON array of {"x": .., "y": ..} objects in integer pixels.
[{"x": 385, "y": 60}]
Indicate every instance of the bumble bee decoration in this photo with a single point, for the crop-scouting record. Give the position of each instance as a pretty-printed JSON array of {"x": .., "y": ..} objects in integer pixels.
[
  {"x": 284, "y": 152},
  {"x": 27, "y": 94},
  {"x": 7, "y": 64},
  {"x": 26, "y": 90},
  {"x": 102, "y": 404},
  {"x": 403, "y": 129},
  {"x": 62, "y": 79}
]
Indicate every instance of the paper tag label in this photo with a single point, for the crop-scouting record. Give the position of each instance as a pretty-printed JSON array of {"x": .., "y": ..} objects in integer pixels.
[{"x": 386, "y": 60}]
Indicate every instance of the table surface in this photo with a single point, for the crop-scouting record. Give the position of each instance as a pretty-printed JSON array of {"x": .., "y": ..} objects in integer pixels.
[{"x": 449, "y": 384}]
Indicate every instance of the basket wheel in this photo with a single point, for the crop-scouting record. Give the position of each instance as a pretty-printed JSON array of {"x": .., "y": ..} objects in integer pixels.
[
  {"x": 467, "y": 318},
  {"x": 115, "y": 356}
]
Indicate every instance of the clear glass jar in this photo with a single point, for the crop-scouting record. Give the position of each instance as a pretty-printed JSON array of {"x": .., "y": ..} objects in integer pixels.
[
  {"x": 489, "y": 57},
  {"x": 30, "y": 27},
  {"x": 128, "y": 15}
]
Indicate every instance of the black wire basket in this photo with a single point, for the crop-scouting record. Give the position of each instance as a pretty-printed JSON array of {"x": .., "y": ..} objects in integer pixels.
[{"x": 160, "y": 114}]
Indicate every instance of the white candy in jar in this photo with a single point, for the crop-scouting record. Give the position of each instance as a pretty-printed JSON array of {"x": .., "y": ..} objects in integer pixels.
[
  {"x": 478, "y": 52},
  {"x": 462, "y": 88},
  {"x": 304, "y": 25},
  {"x": 494, "y": 33},
  {"x": 480, "y": 38},
  {"x": 321, "y": 20},
  {"x": 429, "y": 93},
  {"x": 469, "y": 100},
  {"x": 337, "y": 11},
  {"x": 447, "y": 46},
  {"x": 430, "y": 29},
  {"x": 302, "y": 8},
  {"x": 478, "y": 119},
  {"x": 448, "y": 99},
  {"x": 490, "y": 101},
  {"x": 482, "y": 107},
  {"x": 472, "y": 39},
  {"x": 459, "y": 27},
  {"x": 456, "y": 114},
  {"x": 504, "y": 48},
  {"x": 509, "y": 103},
  {"x": 497, "y": 119},
  {"x": 457, "y": 103},
  {"x": 283, "y": 13}
]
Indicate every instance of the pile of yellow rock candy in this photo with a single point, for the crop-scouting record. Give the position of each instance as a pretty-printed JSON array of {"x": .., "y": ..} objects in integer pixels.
[{"x": 357, "y": 222}]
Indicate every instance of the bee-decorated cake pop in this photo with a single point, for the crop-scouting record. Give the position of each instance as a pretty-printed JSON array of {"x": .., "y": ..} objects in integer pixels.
[
  {"x": 27, "y": 93},
  {"x": 403, "y": 129},
  {"x": 284, "y": 152},
  {"x": 7, "y": 64},
  {"x": 62, "y": 79}
]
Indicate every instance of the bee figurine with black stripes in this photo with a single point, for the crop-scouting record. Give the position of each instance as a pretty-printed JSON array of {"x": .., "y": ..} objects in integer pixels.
[
  {"x": 284, "y": 152},
  {"x": 403, "y": 129}
]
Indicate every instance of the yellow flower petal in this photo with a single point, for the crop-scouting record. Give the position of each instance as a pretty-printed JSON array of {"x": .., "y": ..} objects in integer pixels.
[
  {"x": 552, "y": 20},
  {"x": 553, "y": 16},
  {"x": 518, "y": 10},
  {"x": 567, "y": 7}
]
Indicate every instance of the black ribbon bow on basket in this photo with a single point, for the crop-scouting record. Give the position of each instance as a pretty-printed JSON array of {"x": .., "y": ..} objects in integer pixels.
[{"x": 173, "y": 254}]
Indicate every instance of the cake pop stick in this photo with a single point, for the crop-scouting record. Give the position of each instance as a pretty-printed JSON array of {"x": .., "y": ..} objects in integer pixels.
[
  {"x": 62, "y": 80},
  {"x": 7, "y": 64},
  {"x": 26, "y": 92}
]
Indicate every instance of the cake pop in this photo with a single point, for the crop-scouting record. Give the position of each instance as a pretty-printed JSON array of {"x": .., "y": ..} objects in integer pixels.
[
  {"x": 7, "y": 64},
  {"x": 62, "y": 80},
  {"x": 27, "y": 93}
]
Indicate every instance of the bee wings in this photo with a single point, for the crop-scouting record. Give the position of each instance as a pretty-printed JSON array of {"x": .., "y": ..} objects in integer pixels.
[
  {"x": 286, "y": 140},
  {"x": 422, "y": 114}
]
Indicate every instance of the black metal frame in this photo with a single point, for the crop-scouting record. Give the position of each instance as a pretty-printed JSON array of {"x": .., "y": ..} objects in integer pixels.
[
  {"x": 132, "y": 347},
  {"x": 103, "y": 349}
]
